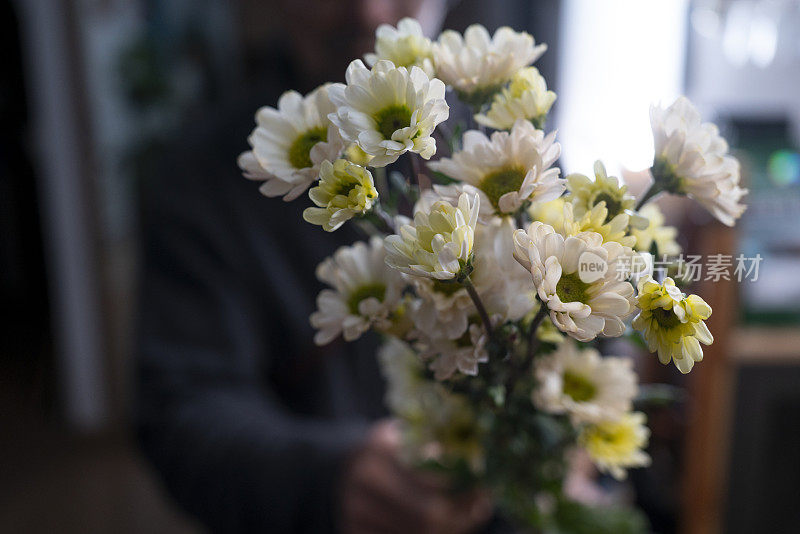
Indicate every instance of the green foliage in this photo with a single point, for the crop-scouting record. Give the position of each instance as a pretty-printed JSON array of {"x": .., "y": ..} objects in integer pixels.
[{"x": 575, "y": 518}]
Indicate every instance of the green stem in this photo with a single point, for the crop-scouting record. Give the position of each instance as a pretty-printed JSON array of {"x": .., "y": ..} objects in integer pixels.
[
  {"x": 652, "y": 191},
  {"x": 385, "y": 218},
  {"x": 381, "y": 182},
  {"x": 476, "y": 299},
  {"x": 378, "y": 219},
  {"x": 533, "y": 341},
  {"x": 533, "y": 346},
  {"x": 415, "y": 168}
]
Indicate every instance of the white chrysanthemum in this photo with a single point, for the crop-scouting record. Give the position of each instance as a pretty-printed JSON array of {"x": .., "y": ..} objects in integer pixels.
[
  {"x": 692, "y": 159},
  {"x": 389, "y": 110},
  {"x": 656, "y": 233},
  {"x": 617, "y": 445},
  {"x": 405, "y": 46},
  {"x": 344, "y": 191},
  {"x": 366, "y": 293},
  {"x": 446, "y": 356},
  {"x": 439, "y": 243},
  {"x": 291, "y": 142},
  {"x": 505, "y": 287},
  {"x": 477, "y": 64},
  {"x": 583, "y": 384},
  {"x": 508, "y": 169},
  {"x": 526, "y": 97},
  {"x": 580, "y": 278}
]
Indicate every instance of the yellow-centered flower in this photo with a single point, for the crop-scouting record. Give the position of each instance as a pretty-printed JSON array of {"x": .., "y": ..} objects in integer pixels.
[
  {"x": 585, "y": 193},
  {"x": 672, "y": 323},
  {"x": 526, "y": 97},
  {"x": 344, "y": 191},
  {"x": 405, "y": 46},
  {"x": 656, "y": 233},
  {"x": 617, "y": 445},
  {"x": 439, "y": 243}
]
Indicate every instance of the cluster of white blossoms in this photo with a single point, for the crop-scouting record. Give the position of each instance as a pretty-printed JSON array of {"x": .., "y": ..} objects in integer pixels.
[
  {"x": 597, "y": 394},
  {"x": 483, "y": 268},
  {"x": 437, "y": 423}
]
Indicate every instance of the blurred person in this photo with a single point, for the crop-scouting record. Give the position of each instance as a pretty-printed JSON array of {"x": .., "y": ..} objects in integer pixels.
[{"x": 251, "y": 426}]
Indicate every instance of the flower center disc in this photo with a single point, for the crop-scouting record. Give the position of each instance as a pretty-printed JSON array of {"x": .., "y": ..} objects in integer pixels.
[
  {"x": 613, "y": 205},
  {"x": 570, "y": 288},
  {"x": 665, "y": 318},
  {"x": 578, "y": 387},
  {"x": 391, "y": 119},
  {"x": 364, "y": 292},
  {"x": 498, "y": 183},
  {"x": 300, "y": 151},
  {"x": 345, "y": 187}
]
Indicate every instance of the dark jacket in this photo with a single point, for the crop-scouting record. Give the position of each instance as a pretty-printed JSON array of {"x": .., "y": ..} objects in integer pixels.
[{"x": 245, "y": 419}]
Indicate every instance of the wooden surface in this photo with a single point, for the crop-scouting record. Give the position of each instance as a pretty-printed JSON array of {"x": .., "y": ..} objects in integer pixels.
[{"x": 710, "y": 389}]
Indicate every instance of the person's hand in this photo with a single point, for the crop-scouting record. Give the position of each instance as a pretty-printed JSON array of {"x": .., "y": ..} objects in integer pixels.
[{"x": 380, "y": 495}]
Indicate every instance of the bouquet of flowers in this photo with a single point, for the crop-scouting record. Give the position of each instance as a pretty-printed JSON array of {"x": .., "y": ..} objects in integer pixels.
[{"x": 487, "y": 274}]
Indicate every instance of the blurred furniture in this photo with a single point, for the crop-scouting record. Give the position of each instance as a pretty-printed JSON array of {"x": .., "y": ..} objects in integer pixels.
[
  {"x": 743, "y": 434},
  {"x": 709, "y": 392}
]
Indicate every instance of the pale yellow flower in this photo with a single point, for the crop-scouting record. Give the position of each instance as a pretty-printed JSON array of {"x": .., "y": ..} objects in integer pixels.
[
  {"x": 597, "y": 220},
  {"x": 656, "y": 232},
  {"x": 439, "y": 242},
  {"x": 526, "y": 97},
  {"x": 617, "y": 444},
  {"x": 354, "y": 154},
  {"x": 672, "y": 323},
  {"x": 585, "y": 193},
  {"x": 551, "y": 213},
  {"x": 344, "y": 191}
]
